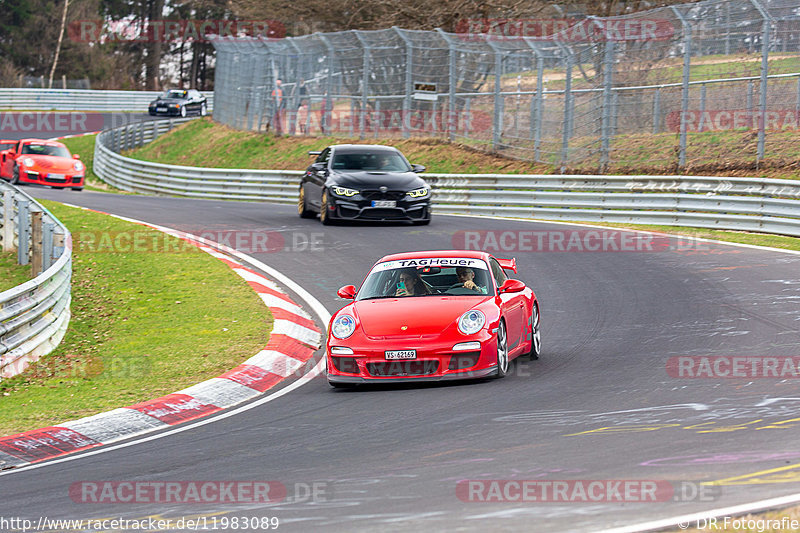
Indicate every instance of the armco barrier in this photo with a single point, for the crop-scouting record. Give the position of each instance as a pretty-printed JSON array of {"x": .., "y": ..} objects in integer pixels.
[
  {"x": 749, "y": 204},
  {"x": 33, "y": 316},
  {"x": 81, "y": 100}
]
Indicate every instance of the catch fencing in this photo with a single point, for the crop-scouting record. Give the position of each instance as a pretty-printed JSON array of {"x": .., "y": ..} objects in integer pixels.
[
  {"x": 665, "y": 88},
  {"x": 748, "y": 204},
  {"x": 34, "y": 315},
  {"x": 81, "y": 100}
]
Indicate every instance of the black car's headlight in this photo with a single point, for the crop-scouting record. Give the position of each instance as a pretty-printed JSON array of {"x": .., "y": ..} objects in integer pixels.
[
  {"x": 419, "y": 193},
  {"x": 344, "y": 191}
]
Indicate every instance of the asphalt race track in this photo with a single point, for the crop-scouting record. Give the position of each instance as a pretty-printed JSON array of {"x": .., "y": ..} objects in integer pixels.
[{"x": 600, "y": 404}]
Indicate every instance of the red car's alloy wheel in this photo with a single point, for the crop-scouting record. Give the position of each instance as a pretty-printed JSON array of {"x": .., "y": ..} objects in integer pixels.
[{"x": 502, "y": 351}]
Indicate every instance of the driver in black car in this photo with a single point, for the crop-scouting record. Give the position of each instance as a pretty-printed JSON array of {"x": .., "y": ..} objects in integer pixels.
[{"x": 466, "y": 279}]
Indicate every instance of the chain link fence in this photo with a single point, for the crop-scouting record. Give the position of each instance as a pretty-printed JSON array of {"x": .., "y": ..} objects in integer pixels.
[{"x": 669, "y": 87}]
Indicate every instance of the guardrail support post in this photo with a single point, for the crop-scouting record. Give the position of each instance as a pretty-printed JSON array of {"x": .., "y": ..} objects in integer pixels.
[
  {"x": 47, "y": 245},
  {"x": 36, "y": 242},
  {"x": 8, "y": 221},
  {"x": 23, "y": 232}
]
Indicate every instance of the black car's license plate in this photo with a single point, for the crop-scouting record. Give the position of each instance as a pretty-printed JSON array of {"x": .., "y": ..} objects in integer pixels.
[
  {"x": 400, "y": 354},
  {"x": 384, "y": 203},
  {"x": 161, "y": 109}
]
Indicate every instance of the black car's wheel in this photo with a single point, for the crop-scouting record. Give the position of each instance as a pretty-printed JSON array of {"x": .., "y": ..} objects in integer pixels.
[
  {"x": 536, "y": 335},
  {"x": 203, "y": 110},
  {"x": 152, "y": 113},
  {"x": 183, "y": 111},
  {"x": 302, "y": 208},
  {"x": 502, "y": 351},
  {"x": 15, "y": 176},
  {"x": 324, "y": 212}
]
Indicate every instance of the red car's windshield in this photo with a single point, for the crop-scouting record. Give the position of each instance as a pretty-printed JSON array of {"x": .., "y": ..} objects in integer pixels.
[
  {"x": 45, "y": 149},
  {"x": 452, "y": 276}
]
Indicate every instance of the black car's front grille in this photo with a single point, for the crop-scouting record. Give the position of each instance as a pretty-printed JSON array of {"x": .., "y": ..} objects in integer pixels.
[
  {"x": 382, "y": 214},
  {"x": 378, "y": 195}
]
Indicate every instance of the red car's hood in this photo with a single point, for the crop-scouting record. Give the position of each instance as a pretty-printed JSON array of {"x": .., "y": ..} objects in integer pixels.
[
  {"x": 424, "y": 315},
  {"x": 51, "y": 163}
]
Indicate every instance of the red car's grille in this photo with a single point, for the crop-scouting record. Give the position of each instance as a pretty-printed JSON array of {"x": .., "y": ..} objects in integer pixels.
[{"x": 403, "y": 368}]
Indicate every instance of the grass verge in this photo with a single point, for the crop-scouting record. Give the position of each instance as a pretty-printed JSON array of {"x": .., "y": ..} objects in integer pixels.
[
  {"x": 12, "y": 274},
  {"x": 144, "y": 324},
  {"x": 712, "y": 153}
]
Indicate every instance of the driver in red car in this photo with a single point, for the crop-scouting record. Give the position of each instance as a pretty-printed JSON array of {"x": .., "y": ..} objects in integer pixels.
[{"x": 466, "y": 279}]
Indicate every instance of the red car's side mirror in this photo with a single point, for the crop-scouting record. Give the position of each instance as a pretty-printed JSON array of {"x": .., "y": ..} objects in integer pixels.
[
  {"x": 512, "y": 285},
  {"x": 348, "y": 292},
  {"x": 75, "y": 156}
]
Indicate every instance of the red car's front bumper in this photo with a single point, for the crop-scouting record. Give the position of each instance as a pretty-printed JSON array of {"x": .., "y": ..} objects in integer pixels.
[
  {"x": 433, "y": 362},
  {"x": 51, "y": 179}
]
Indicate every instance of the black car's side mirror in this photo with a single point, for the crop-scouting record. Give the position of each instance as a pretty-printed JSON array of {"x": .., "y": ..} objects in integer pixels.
[
  {"x": 318, "y": 167},
  {"x": 417, "y": 168}
]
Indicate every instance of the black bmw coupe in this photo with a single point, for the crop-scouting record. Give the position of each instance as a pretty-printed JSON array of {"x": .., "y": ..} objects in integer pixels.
[
  {"x": 364, "y": 182},
  {"x": 179, "y": 102}
]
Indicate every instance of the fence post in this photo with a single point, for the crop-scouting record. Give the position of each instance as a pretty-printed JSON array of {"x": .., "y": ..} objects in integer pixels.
[
  {"x": 762, "y": 96},
  {"x": 657, "y": 111},
  {"x": 451, "y": 85},
  {"x": 687, "y": 63},
  {"x": 8, "y": 221},
  {"x": 36, "y": 242},
  {"x": 327, "y": 107},
  {"x": 700, "y": 125},
  {"x": 23, "y": 231},
  {"x": 608, "y": 105},
  {"x": 566, "y": 127},
  {"x": 362, "y": 116},
  {"x": 497, "y": 120},
  {"x": 409, "y": 82},
  {"x": 537, "y": 102}
]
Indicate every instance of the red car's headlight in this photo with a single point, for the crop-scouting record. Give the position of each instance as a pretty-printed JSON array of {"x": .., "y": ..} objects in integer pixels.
[{"x": 343, "y": 326}]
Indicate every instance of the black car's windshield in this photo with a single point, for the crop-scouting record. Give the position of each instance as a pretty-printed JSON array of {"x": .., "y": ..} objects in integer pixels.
[
  {"x": 45, "y": 149},
  {"x": 426, "y": 277},
  {"x": 174, "y": 94},
  {"x": 377, "y": 161}
]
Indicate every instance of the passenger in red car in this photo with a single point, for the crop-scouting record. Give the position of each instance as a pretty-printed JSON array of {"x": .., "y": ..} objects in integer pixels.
[{"x": 411, "y": 284}]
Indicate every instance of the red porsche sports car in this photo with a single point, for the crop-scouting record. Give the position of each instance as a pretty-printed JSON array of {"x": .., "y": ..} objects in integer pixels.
[
  {"x": 429, "y": 316},
  {"x": 43, "y": 162}
]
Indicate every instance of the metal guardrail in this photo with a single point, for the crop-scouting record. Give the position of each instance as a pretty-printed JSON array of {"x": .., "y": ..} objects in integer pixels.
[
  {"x": 749, "y": 204},
  {"x": 81, "y": 100},
  {"x": 34, "y": 315}
]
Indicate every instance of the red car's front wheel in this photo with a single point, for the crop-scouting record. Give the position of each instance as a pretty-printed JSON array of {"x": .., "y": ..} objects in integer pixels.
[{"x": 502, "y": 351}]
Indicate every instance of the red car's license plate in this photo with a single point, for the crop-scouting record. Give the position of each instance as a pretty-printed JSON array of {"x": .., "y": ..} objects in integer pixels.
[{"x": 401, "y": 354}]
